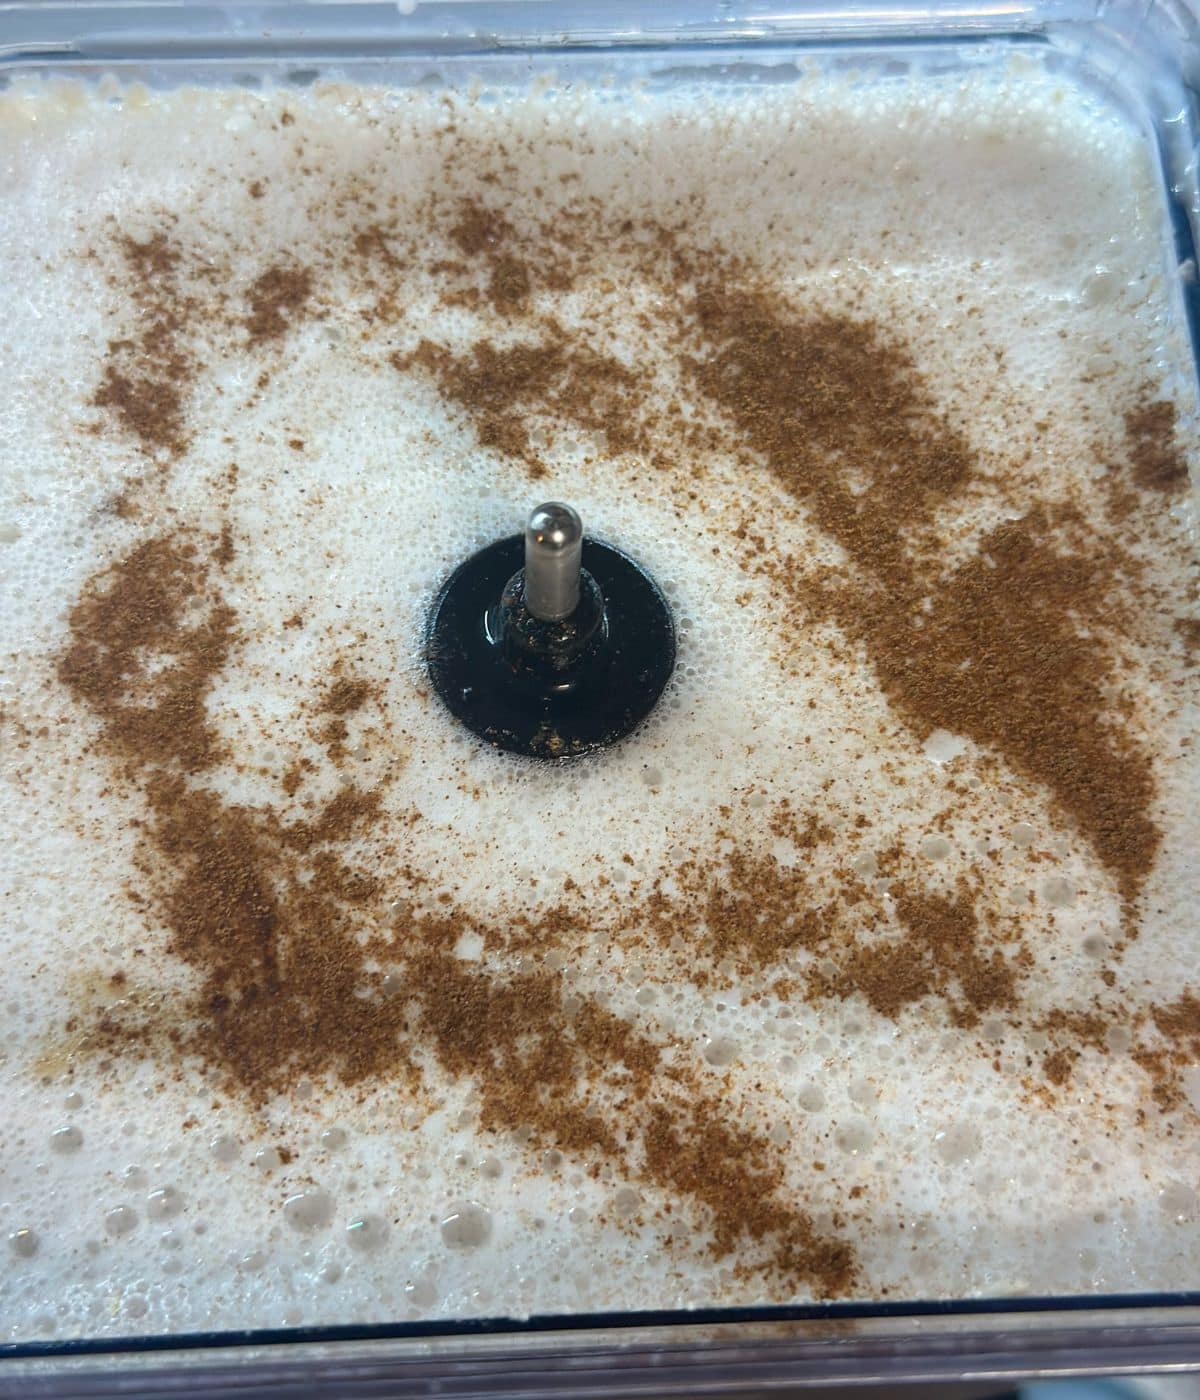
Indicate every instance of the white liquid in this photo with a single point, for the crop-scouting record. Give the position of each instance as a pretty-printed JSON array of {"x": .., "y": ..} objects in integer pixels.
[{"x": 156, "y": 1201}]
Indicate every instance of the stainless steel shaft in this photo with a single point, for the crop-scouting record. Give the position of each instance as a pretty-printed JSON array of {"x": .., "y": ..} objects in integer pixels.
[{"x": 553, "y": 558}]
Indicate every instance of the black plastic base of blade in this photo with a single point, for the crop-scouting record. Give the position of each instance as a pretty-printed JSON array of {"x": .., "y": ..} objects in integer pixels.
[{"x": 469, "y": 670}]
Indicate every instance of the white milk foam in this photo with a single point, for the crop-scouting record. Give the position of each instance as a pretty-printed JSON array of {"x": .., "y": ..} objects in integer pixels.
[{"x": 157, "y": 1203}]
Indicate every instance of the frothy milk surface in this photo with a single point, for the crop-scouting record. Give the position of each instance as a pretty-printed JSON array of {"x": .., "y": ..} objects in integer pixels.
[{"x": 861, "y": 970}]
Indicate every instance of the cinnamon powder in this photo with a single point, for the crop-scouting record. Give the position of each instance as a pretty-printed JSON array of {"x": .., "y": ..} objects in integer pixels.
[
  {"x": 277, "y": 298},
  {"x": 282, "y": 929},
  {"x": 993, "y": 650},
  {"x": 1158, "y": 464},
  {"x": 144, "y": 379},
  {"x": 501, "y": 387},
  {"x": 270, "y": 913}
]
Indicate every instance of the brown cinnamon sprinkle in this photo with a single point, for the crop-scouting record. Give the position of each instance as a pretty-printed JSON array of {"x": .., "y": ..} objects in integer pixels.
[
  {"x": 502, "y": 387},
  {"x": 148, "y": 377},
  {"x": 1058, "y": 1064},
  {"x": 277, "y": 298},
  {"x": 956, "y": 653},
  {"x": 144, "y": 376},
  {"x": 1158, "y": 464},
  {"x": 480, "y": 230},
  {"x": 509, "y": 285},
  {"x": 269, "y": 914},
  {"x": 753, "y": 910},
  {"x": 148, "y": 605},
  {"x": 1085, "y": 1028},
  {"x": 819, "y": 396},
  {"x": 346, "y": 695},
  {"x": 1176, "y": 1047},
  {"x": 1180, "y": 1021},
  {"x": 940, "y": 954}
]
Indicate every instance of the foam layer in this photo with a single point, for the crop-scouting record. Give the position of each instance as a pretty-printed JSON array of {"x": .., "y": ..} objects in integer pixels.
[{"x": 297, "y": 285}]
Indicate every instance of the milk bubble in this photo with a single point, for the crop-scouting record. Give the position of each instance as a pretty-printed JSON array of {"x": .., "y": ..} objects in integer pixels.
[
  {"x": 720, "y": 1051},
  {"x": 224, "y": 1148},
  {"x": 958, "y": 1142},
  {"x": 466, "y": 1225},
  {"x": 1118, "y": 1039},
  {"x": 120, "y": 1220},
  {"x": 854, "y": 1135},
  {"x": 1058, "y": 891},
  {"x": 1179, "y": 1201},
  {"x": 367, "y": 1233},
  {"x": 309, "y": 1210},
  {"x": 864, "y": 1092},
  {"x": 23, "y": 1243},
  {"x": 626, "y": 1201},
  {"x": 67, "y": 1139},
  {"x": 163, "y": 1203},
  {"x": 421, "y": 1293},
  {"x": 943, "y": 747}
]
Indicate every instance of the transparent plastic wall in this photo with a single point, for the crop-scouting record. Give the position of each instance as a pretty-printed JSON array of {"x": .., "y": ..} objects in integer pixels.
[{"x": 1148, "y": 55}]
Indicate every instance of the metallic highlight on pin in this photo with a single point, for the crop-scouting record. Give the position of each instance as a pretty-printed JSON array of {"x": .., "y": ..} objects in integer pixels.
[{"x": 553, "y": 557}]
